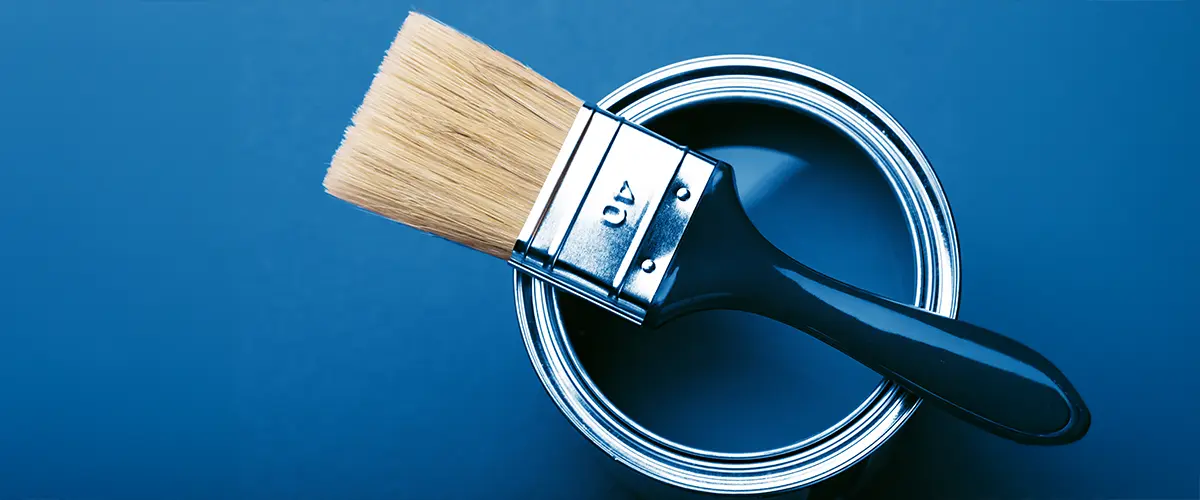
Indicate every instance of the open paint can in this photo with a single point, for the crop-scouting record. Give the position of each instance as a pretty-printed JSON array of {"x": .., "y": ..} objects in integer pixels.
[{"x": 730, "y": 403}]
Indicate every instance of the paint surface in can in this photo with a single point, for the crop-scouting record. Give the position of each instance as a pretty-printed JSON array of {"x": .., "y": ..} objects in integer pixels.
[{"x": 733, "y": 382}]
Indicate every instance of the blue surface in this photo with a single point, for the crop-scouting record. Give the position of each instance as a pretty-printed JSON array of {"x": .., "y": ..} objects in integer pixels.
[{"x": 184, "y": 313}]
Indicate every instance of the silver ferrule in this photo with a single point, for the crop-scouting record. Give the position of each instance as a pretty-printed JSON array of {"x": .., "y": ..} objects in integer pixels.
[{"x": 607, "y": 223}]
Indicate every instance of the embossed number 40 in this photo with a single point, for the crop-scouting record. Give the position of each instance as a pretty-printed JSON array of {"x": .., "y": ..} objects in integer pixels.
[{"x": 615, "y": 215}]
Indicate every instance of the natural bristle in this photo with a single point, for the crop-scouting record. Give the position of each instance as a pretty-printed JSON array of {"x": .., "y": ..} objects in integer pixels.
[{"x": 452, "y": 138}]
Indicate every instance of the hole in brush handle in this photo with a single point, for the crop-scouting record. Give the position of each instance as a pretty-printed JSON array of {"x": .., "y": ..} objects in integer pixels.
[{"x": 979, "y": 376}]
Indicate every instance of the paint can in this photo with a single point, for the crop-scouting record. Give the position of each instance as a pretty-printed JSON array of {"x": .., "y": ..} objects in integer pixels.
[{"x": 691, "y": 102}]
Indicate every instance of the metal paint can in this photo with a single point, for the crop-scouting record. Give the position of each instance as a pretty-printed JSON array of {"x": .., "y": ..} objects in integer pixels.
[{"x": 824, "y": 464}]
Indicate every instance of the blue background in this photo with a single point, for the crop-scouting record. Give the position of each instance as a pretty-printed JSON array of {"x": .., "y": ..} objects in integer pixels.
[{"x": 184, "y": 313}]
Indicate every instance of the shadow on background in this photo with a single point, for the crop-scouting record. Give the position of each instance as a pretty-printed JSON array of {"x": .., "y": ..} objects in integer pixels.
[
  {"x": 735, "y": 382},
  {"x": 928, "y": 452}
]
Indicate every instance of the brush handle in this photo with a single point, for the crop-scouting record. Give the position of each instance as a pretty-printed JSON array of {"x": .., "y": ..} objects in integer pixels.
[{"x": 976, "y": 374}]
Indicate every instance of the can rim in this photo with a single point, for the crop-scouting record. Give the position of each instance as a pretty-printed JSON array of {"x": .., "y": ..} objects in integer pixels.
[{"x": 884, "y": 411}]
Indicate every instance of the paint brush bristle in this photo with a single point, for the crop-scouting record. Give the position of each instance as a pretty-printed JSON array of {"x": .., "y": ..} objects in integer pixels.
[{"x": 452, "y": 138}]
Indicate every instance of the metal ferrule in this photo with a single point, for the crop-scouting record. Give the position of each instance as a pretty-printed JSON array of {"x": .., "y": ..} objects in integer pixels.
[{"x": 607, "y": 222}]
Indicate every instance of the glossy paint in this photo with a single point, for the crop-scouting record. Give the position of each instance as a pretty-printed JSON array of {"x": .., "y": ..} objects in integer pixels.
[{"x": 711, "y": 380}]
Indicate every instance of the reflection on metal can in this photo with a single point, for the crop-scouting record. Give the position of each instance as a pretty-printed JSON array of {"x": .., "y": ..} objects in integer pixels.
[{"x": 825, "y": 461}]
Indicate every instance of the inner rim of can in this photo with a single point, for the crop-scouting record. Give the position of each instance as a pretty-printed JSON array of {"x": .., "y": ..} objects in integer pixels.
[{"x": 884, "y": 411}]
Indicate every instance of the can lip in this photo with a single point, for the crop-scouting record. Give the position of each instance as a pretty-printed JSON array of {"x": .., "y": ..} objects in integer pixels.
[{"x": 884, "y": 411}]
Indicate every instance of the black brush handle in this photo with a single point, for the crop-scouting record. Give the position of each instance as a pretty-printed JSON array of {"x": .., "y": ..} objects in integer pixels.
[{"x": 978, "y": 375}]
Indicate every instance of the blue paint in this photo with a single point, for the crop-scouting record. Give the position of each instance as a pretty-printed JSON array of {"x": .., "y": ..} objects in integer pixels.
[
  {"x": 734, "y": 382},
  {"x": 183, "y": 312}
]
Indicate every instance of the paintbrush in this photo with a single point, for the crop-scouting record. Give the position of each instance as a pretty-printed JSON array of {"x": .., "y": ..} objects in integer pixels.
[{"x": 457, "y": 139}]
